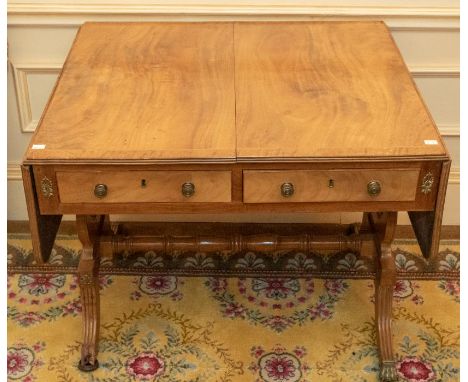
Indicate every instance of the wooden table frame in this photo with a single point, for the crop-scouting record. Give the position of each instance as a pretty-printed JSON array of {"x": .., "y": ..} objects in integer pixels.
[
  {"x": 379, "y": 220},
  {"x": 235, "y": 117}
]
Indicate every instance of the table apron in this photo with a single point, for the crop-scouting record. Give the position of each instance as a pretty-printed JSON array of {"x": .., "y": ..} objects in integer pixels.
[{"x": 237, "y": 188}]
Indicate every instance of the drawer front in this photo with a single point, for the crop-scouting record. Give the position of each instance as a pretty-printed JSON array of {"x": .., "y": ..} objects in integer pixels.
[
  {"x": 144, "y": 186},
  {"x": 364, "y": 185}
]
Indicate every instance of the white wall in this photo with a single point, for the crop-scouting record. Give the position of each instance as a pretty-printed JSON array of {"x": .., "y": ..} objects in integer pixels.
[{"x": 40, "y": 35}]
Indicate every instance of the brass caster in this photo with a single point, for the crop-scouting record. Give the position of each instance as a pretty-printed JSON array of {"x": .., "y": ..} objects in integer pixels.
[
  {"x": 388, "y": 372},
  {"x": 88, "y": 367}
]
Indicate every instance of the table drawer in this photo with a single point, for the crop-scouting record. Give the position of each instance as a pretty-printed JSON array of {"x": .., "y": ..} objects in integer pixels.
[
  {"x": 348, "y": 185},
  {"x": 143, "y": 186}
]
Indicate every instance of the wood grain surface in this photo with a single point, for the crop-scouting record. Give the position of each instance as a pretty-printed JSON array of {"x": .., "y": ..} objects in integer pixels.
[
  {"x": 157, "y": 186},
  {"x": 326, "y": 89},
  {"x": 81, "y": 179},
  {"x": 223, "y": 92},
  {"x": 140, "y": 91},
  {"x": 315, "y": 186}
]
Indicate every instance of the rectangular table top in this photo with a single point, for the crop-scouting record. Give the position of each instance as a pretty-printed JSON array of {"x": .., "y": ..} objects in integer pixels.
[{"x": 234, "y": 92}]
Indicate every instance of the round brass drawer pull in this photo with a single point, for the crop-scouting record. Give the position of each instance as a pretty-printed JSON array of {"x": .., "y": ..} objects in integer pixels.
[
  {"x": 100, "y": 190},
  {"x": 188, "y": 189},
  {"x": 287, "y": 190},
  {"x": 373, "y": 188}
]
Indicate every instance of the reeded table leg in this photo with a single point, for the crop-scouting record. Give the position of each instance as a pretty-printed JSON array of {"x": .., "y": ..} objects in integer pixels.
[
  {"x": 89, "y": 289},
  {"x": 383, "y": 224},
  {"x": 89, "y": 229},
  {"x": 384, "y": 286}
]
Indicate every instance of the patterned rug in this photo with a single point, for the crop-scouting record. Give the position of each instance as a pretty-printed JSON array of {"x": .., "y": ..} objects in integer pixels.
[{"x": 173, "y": 328}]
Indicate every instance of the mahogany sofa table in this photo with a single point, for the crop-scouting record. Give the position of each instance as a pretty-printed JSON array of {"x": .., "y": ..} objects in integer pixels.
[{"x": 235, "y": 118}]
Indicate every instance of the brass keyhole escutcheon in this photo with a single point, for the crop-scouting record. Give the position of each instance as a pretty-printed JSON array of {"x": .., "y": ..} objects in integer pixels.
[
  {"x": 331, "y": 183},
  {"x": 100, "y": 190},
  {"x": 287, "y": 190},
  {"x": 373, "y": 188},
  {"x": 143, "y": 183},
  {"x": 188, "y": 189}
]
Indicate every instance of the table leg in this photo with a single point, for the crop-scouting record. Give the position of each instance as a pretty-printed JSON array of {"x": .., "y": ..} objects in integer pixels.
[
  {"x": 384, "y": 224},
  {"x": 89, "y": 230},
  {"x": 384, "y": 286}
]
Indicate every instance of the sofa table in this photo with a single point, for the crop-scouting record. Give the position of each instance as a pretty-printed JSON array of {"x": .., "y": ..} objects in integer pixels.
[{"x": 169, "y": 118}]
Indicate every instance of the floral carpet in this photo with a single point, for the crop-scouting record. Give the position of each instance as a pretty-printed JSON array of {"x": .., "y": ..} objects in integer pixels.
[{"x": 168, "y": 327}]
